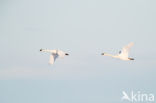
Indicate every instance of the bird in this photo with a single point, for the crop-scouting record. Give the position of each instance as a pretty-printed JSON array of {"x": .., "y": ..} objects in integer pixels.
[
  {"x": 123, "y": 54},
  {"x": 54, "y": 54}
]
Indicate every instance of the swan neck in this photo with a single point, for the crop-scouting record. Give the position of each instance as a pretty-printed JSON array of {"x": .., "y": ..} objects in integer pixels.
[
  {"x": 109, "y": 55},
  {"x": 47, "y": 50}
]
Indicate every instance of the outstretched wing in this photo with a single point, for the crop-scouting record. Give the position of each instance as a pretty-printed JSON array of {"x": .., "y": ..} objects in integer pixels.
[
  {"x": 60, "y": 53},
  {"x": 52, "y": 59},
  {"x": 125, "y": 50}
]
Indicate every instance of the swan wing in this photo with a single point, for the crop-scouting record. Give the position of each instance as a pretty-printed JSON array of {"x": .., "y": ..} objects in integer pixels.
[
  {"x": 60, "y": 53},
  {"x": 52, "y": 59},
  {"x": 125, "y": 50}
]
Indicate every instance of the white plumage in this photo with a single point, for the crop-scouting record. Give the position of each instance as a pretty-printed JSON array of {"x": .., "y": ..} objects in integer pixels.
[
  {"x": 54, "y": 54},
  {"x": 123, "y": 55}
]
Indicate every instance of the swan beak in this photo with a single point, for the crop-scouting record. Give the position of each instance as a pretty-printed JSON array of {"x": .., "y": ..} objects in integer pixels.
[
  {"x": 131, "y": 58},
  {"x": 102, "y": 53},
  {"x": 66, "y": 54}
]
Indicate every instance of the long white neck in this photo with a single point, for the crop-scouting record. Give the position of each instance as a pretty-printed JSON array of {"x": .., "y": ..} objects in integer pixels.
[
  {"x": 49, "y": 51},
  {"x": 114, "y": 56}
]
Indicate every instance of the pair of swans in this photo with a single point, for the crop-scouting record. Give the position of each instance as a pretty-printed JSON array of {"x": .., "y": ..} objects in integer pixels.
[{"x": 123, "y": 54}]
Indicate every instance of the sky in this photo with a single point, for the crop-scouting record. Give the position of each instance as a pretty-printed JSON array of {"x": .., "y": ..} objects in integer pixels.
[{"x": 84, "y": 29}]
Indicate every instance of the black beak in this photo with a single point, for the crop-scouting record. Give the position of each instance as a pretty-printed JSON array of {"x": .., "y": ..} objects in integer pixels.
[
  {"x": 66, "y": 54},
  {"x": 40, "y": 49},
  {"x": 102, "y": 53},
  {"x": 131, "y": 58}
]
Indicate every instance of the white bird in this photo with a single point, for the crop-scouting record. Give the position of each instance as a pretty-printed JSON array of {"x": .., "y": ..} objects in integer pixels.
[
  {"x": 123, "y": 55},
  {"x": 54, "y": 54}
]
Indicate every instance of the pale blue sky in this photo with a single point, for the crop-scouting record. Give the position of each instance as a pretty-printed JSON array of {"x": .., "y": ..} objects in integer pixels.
[{"x": 84, "y": 29}]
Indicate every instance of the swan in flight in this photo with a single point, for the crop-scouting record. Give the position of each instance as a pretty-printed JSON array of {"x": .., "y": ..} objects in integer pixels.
[
  {"x": 123, "y": 54},
  {"x": 54, "y": 54}
]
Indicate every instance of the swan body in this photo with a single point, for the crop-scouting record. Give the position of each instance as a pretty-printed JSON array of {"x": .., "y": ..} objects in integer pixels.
[
  {"x": 54, "y": 54},
  {"x": 123, "y": 55}
]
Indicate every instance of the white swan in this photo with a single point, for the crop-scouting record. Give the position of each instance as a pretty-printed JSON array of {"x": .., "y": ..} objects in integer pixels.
[
  {"x": 123, "y": 55},
  {"x": 54, "y": 54}
]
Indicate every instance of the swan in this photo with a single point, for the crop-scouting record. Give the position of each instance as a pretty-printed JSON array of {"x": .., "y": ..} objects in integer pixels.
[
  {"x": 123, "y": 54},
  {"x": 54, "y": 54}
]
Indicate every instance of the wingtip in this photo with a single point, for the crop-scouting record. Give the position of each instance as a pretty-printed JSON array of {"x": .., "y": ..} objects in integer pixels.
[
  {"x": 50, "y": 63},
  {"x": 131, "y": 43}
]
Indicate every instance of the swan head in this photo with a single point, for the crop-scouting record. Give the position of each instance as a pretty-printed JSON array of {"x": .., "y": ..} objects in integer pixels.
[
  {"x": 41, "y": 49},
  {"x": 102, "y": 53},
  {"x": 66, "y": 54}
]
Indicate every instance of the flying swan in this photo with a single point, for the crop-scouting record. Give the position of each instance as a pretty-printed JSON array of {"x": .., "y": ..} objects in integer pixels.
[
  {"x": 123, "y": 55},
  {"x": 54, "y": 54}
]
